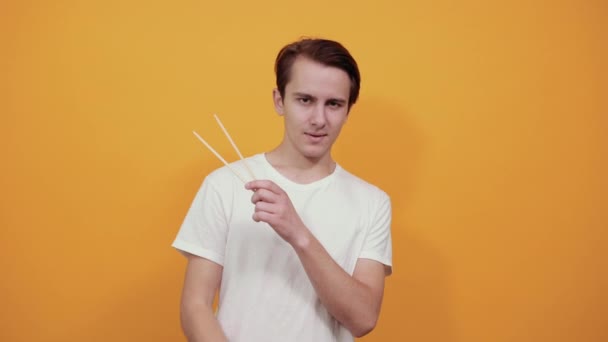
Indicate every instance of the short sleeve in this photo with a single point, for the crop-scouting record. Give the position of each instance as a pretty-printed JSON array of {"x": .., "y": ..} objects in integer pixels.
[
  {"x": 378, "y": 242},
  {"x": 204, "y": 229}
]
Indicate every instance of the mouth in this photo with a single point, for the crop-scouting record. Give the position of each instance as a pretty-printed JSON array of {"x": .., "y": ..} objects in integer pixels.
[{"x": 316, "y": 137}]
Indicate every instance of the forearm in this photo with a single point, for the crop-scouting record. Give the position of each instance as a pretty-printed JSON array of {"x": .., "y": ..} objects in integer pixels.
[
  {"x": 352, "y": 300},
  {"x": 348, "y": 300},
  {"x": 200, "y": 324}
]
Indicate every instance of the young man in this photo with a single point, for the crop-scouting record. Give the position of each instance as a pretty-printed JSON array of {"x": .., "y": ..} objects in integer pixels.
[{"x": 300, "y": 253}]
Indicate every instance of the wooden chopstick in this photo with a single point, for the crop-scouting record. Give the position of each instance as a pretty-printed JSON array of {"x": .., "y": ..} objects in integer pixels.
[
  {"x": 233, "y": 145},
  {"x": 219, "y": 122},
  {"x": 219, "y": 157}
]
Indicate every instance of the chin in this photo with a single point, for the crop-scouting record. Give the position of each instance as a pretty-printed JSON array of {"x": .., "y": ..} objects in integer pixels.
[{"x": 314, "y": 153}]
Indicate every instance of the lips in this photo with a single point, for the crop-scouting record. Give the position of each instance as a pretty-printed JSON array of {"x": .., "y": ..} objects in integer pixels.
[{"x": 315, "y": 137}]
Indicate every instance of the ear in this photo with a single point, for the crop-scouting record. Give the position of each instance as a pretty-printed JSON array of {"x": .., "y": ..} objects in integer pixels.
[{"x": 278, "y": 101}]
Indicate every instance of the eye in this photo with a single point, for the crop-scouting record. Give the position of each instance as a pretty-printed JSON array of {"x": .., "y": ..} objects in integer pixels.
[
  {"x": 304, "y": 100},
  {"x": 334, "y": 104}
]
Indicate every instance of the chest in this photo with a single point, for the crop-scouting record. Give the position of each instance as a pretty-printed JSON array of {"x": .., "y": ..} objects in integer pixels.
[{"x": 336, "y": 219}]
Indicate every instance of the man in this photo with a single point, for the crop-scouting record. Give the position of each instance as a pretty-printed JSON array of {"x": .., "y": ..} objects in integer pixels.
[{"x": 301, "y": 253}]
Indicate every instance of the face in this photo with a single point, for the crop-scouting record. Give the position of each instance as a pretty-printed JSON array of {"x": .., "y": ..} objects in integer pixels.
[{"x": 315, "y": 107}]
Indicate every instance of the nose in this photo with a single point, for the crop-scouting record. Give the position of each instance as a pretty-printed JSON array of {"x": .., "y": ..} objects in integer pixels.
[{"x": 319, "y": 116}]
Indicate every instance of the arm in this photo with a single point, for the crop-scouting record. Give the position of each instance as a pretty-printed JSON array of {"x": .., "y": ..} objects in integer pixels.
[
  {"x": 203, "y": 278},
  {"x": 352, "y": 300}
]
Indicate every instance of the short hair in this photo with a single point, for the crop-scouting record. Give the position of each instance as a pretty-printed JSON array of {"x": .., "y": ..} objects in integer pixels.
[{"x": 323, "y": 51}]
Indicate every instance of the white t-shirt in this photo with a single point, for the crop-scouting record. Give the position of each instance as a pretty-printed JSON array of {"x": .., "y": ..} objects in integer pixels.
[{"x": 265, "y": 294}]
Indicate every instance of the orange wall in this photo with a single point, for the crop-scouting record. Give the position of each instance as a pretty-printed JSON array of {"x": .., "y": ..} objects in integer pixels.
[{"x": 486, "y": 123}]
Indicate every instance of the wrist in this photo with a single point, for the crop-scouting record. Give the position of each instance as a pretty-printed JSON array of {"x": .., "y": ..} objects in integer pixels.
[{"x": 302, "y": 240}]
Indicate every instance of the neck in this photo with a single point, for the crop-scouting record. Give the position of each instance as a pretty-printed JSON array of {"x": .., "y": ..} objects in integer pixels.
[{"x": 298, "y": 168}]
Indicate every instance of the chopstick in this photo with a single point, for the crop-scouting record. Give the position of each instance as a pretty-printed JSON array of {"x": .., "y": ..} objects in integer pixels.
[
  {"x": 219, "y": 122},
  {"x": 220, "y": 157}
]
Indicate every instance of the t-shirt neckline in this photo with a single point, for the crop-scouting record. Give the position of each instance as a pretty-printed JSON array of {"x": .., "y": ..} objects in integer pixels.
[{"x": 286, "y": 182}]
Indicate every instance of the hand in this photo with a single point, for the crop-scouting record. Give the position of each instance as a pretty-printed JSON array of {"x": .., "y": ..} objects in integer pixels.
[{"x": 273, "y": 206}]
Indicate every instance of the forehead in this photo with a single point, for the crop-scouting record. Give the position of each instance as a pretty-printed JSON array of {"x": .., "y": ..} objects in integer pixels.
[{"x": 319, "y": 80}]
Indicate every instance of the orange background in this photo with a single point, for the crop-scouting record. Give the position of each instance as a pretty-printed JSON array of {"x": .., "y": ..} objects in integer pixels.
[{"x": 486, "y": 123}]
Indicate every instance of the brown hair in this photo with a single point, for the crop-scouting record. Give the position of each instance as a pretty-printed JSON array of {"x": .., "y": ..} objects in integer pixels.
[{"x": 324, "y": 51}]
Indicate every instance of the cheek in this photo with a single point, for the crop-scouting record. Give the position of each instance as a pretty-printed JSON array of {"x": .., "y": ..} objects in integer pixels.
[
  {"x": 296, "y": 117},
  {"x": 292, "y": 123},
  {"x": 338, "y": 118}
]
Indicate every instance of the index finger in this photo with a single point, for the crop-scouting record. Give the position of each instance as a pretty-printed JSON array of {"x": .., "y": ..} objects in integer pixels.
[{"x": 263, "y": 184}]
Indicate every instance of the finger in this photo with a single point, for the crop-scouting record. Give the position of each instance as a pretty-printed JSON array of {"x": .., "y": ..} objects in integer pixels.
[
  {"x": 263, "y": 195},
  {"x": 262, "y": 216},
  {"x": 263, "y": 184},
  {"x": 266, "y": 207}
]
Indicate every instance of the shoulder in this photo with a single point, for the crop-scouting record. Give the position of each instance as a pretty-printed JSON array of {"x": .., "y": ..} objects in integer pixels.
[
  {"x": 362, "y": 188},
  {"x": 233, "y": 174}
]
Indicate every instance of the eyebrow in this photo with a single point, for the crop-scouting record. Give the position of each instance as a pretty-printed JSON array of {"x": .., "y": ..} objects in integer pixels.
[{"x": 338, "y": 100}]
